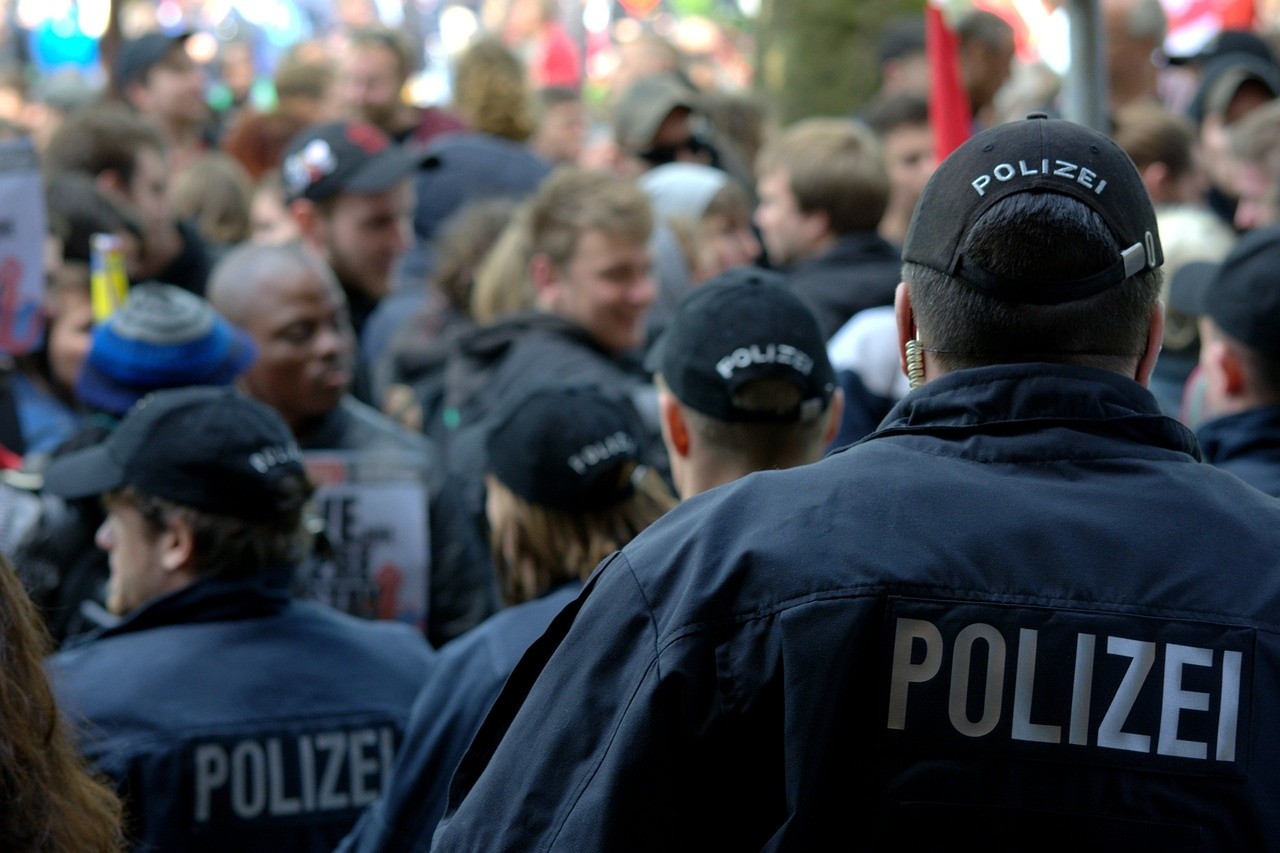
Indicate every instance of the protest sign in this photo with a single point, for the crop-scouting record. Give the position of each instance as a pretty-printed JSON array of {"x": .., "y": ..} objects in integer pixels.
[{"x": 374, "y": 514}]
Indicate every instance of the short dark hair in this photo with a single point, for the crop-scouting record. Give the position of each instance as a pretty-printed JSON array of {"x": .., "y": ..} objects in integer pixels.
[
  {"x": 100, "y": 138},
  {"x": 391, "y": 39},
  {"x": 983, "y": 27},
  {"x": 759, "y": 445},
  {"x": 1024, "y": 236},
  {"x": 895, "y": 110},
  {"x": 229, "y": 547},
  {"x": 1150, "y": 132}
]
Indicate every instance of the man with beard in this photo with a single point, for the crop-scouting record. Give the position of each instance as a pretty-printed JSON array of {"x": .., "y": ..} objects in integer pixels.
[{"x": 349, "y": 189}]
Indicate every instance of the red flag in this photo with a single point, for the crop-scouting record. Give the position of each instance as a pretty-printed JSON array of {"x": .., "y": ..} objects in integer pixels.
[
  {"x": 1239, "y": 15},
  {"x": 948, "y": 104}
]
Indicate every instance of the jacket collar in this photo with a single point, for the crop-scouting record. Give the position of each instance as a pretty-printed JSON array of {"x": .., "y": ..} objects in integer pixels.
[
  {"x": 1019, "y": 399},
  {"x": 211, "y": 599},
  {"x": 1241, "y": 434}
]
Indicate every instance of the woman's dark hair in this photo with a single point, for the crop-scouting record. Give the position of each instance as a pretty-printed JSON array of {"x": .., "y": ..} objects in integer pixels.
[{"x": 52, "y": 801}]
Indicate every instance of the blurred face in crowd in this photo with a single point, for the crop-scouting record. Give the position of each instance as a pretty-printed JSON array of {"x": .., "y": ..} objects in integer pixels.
[
  {"x": 1255, "y": 192},
  {"x": 369, "y": 82},
  {"x": 727, "y": 242},
  {"x": 909, "y": 161},
  {"x": 606, "y": 287},
  {"x": 362, "y": 236},
  {"x": 134, "y": 554},
  {"x": 789, "y": 234},
  {"x": 562, "y": 133},
  {"x": 173, "y": 90},
  {"x": 269, "y": 218},
  {"x": 305, "y": 345},
  {"x": 70, "y": 329}
]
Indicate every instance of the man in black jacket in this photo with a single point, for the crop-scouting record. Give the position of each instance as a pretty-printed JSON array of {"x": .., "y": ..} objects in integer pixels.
[{"x": 823, "y": 189}]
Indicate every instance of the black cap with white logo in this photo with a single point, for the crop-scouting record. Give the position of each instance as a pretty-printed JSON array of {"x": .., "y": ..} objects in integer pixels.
[
  {"x": 745, "y": 324},
  {"x": 209, "y": 448},
  {"x": 1037, "y": 155}
]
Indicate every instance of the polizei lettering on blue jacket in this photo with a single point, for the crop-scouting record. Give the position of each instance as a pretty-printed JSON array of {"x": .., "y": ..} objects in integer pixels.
[
  {"x": 1070, "y": 685},
  {"x": 279, "y": 776}
]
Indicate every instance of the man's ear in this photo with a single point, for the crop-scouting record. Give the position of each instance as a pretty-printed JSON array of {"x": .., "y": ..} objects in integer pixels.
[
  {"x": 1226, "y": 369},
  {"x": 177, "y": 547},
  {"x": 308, "y": 219},
  {"x": 906, "y": 319},
  {"x": 1156, "y": 178},
  {"x": 817, "y": 226},
  {"x": 542, "y": 274},
  {"x": 111, "y": 182},
  {"x": 675, "y": 429},
  {"x": 136, "y": 95},
  {"x": 1155, "y": 340}
]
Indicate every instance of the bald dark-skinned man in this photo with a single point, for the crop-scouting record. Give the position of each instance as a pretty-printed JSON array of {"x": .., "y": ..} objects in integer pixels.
[{"x": 289, "y": 301}]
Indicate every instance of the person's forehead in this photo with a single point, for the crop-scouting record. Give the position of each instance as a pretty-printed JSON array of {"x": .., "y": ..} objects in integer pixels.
[
  {"x": 293, "y": 293},
  {"x": 351, "y": 206},
  {"x": 907, "y": 136},
  {"x": 177, "y": 59},
  {"x": 372, "y": 54},
  {"x": 148, "y": 163},
  {"x": 602, "y": 248}
]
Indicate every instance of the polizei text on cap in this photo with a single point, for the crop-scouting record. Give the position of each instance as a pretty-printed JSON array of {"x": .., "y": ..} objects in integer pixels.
[{"x": 1005, "y": 172}]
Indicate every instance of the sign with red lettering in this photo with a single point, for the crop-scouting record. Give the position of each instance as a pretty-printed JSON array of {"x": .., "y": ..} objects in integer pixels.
[
  {"x": 372, "y": 505},
  {"x": 22, "y": 239}
]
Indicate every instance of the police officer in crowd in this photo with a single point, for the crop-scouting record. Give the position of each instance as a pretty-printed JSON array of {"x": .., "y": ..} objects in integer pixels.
[
  {"x": 1237, "y": 304},
  {"x": 744, "y": 381},
  {"x": 229, "y": 715},
  {"x": 1019, "y": 614},
  {"x": 567, "y": 486}
]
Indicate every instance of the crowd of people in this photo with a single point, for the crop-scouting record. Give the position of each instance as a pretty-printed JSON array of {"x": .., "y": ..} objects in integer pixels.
[{"x": 524, "y": 472}]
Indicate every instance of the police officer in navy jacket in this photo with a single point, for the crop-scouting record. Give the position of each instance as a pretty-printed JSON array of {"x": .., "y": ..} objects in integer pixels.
[
  {"x": 1021, "y": 614},
  {"x": 229, "y": 715}
]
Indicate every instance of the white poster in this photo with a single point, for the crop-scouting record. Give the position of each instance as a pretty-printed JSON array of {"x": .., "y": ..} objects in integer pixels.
[
  {"x": 22, "y": 239},
  {"x": 373, "y": 506}
]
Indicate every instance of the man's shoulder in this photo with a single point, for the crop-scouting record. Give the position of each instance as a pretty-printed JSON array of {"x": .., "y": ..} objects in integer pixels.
[
  {"x": 115, "y": 676},
  {"x": 362, "y": 427}
]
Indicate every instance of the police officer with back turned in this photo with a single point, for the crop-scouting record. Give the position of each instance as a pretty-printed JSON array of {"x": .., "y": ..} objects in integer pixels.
[{"x": 1021, "y": 614}]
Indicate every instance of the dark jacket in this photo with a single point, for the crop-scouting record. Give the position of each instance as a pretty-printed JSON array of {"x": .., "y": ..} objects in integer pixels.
[
  {"x": 466, "y": 678},
  {"x": 860, "y": 271},
  {"x": 1020, "y": 615},
  {"x": 1247, "y": 444},
  {"x": 233, "y": 717}
]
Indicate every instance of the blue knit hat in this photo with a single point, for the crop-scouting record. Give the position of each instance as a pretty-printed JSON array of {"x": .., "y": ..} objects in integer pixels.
[{"x": 161, "y": 337}]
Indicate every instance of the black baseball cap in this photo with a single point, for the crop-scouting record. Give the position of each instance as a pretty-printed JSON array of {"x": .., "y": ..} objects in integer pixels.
[
  {"x": 138, "y": 56},
  {"x": 1035, "y": 155},
  {"x": 345, "y": 156},
  {"x": 1227, "y": 42},
  {"x": 1241, "y": 295},
  {"x": 209, "y": 448},
  {"x": 745, "y": 324},
  {"x": 564, "y": 446}
]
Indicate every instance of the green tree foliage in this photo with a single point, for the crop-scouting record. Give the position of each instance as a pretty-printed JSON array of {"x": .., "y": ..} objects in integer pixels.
[{"x": 819, "y": 57}]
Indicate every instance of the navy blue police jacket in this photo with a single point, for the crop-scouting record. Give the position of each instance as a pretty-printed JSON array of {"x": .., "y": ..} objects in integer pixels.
[
  {"x": 1247, "y": 444},
  {"x": 466, "y": 678},
  {"x": 232, "y": 717},
  {"x": 1020, "y": 615}
]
